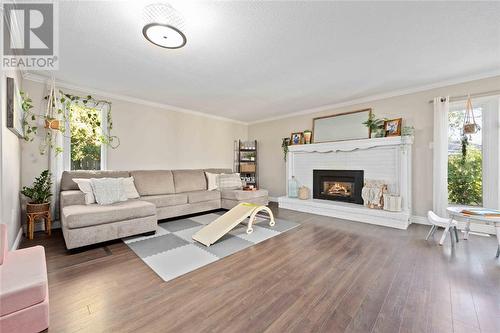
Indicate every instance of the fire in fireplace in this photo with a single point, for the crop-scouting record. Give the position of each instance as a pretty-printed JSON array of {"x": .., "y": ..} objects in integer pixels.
[
  {"x": 339, "y": 185},
  {"x": 337, "y": 189}
]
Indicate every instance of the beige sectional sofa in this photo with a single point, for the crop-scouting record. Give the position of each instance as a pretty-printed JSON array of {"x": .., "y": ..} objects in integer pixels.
[{"x": 163, "y": 194}]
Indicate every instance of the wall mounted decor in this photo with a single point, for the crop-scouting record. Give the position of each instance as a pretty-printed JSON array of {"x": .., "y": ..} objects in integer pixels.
[
  {"x": 341, "y": 127},
  {"x": 15, "y": 113}
]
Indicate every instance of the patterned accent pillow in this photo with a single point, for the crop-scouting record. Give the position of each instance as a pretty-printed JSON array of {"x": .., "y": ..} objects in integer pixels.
[
  {"x": 108, "y": 190},
  {"x": 230, "y": 181}
]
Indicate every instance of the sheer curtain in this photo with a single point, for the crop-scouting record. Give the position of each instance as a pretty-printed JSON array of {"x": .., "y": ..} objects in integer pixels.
[
  {"x": 440, "y": 156},
  {"x": 55, "y": 156}
]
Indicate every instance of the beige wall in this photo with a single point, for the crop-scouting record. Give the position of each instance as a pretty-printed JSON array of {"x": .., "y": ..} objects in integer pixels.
[
  {"x": 151, "y": 138},
  {"x": 10, "y": 166},
  {"x": 415, "y": 110}
]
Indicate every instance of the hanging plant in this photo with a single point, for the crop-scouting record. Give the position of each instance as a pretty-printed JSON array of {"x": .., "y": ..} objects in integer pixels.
[
  {"x": 284, "y": 146},
  {"x": 470, "y": 125},
  {"x": 57, "y": 115}
]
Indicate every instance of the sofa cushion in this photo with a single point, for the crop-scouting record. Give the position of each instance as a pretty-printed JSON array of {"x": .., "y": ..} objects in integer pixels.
[
  {"x": 200, "y": 196},
  {"x": 164, "y": 200},
  {"x": 189, "y": 180},
  {"x": 241, "y": 195},
  {"x": 153, "y": 182},
  {"x": 80, "y": 216},
  {"x": 218, "y": 170},
  {"x": 69, "y": 198},
  {"x": 67, "y": 182},
  {"x": 24, "y": 279}
]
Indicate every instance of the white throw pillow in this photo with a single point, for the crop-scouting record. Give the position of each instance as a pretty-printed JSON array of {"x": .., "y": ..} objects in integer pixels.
[
  {"x": 129, "y": 188},
  {"x": 230, "y": 181},
  {"x": 108, "y": 190},
  {"x": 85, "y": 186},
  {"x": 212, "y": 180}
]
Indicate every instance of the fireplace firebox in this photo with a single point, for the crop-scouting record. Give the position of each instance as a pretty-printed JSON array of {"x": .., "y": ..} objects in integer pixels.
[{"x": 338, "y": 185}]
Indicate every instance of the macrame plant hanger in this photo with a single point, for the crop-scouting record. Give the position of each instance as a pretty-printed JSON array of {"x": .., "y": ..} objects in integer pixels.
[
  {"x": 470, "y": 125},
  {"x": 51, "y": 121}
]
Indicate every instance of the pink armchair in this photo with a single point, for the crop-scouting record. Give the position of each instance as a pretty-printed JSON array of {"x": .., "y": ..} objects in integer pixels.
[{"x": 24, "y": 295}]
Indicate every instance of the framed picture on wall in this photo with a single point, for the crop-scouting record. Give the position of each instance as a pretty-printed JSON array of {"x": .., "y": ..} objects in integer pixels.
[
  {"x": 393, "y": 127},
  {"x": 342, "y": 126},
  {"x": 15, "y": 113},
  {"x": 297, "y": 138}
]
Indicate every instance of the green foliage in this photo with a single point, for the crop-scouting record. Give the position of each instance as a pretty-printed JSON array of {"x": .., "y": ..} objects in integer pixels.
[
  {"x": 29, "y": 128},
  {"x": 373, "y": 123},
  {"x": 40, "y": 192},
  {"x": 465, "y": 177},
  {"x": 284, "y": 145},
  {"x": 86, "y": 137}
]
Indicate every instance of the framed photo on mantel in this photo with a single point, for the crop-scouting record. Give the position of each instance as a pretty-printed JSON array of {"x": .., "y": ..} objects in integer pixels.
[{"x": 341, "y": 127}]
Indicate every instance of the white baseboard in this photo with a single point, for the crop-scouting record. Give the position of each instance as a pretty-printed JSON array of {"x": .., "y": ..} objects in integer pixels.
[
  {"x": 475, "y": 227},
  {"x": 17, "y": 241}
]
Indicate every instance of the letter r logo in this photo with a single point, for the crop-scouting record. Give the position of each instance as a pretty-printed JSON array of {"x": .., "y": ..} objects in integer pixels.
[{"x": 28, "y": 29}]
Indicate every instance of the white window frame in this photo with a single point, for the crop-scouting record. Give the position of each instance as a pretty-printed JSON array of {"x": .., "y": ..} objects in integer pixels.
[{"x": 67, "y": 141}]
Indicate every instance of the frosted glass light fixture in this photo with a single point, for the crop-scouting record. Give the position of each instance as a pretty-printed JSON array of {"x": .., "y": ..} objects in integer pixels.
[{"x": 163, "y": 26}]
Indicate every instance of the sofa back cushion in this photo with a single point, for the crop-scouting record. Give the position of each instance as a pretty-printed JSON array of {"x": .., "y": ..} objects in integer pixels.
[
  {"x": 153, "y": 182},
  {"x": 67, "y": 182},
  {"x": 218, "y": 170},
  {"x": 189, "y": 180}
]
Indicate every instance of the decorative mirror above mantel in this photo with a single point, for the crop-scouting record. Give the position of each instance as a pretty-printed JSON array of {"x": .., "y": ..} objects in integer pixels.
[{"x": 342, "y": 126}]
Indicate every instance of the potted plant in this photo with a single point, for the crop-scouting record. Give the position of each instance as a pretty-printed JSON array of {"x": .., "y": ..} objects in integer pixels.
[
  {"x": 39, "y": 193},
  {"x": 51, "y": 123},
  {"x": 374, "y": 125}
]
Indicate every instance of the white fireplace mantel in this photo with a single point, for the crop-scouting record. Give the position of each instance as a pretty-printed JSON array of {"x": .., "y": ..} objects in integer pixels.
[{"x": 382, "y": 159}]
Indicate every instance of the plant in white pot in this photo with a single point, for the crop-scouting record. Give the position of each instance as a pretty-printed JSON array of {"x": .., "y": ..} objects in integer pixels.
[{"x": 39, "y": 193}]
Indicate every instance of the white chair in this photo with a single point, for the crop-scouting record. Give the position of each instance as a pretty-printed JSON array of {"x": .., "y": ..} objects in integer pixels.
[{"x": 448, "y": 224}]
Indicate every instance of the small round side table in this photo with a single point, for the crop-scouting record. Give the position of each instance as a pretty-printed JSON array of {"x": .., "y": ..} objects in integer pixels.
[{"x": 36, "y": 216}]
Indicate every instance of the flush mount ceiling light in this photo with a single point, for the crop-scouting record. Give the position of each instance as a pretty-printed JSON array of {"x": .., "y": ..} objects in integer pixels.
[{"x": 163, "y": 26}]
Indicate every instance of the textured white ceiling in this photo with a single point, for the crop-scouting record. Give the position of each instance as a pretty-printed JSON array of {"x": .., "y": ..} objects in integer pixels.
[{"x": 254, "y": 60}]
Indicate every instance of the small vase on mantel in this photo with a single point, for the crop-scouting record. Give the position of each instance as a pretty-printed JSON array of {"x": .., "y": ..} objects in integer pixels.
[{"x": 293, "y": 188}]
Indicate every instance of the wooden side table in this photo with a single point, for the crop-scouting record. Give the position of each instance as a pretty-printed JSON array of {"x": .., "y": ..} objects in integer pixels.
[{"x": 36, "y": 216}]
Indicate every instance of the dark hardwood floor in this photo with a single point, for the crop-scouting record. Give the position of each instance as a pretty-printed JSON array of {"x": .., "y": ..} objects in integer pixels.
[{"x": 327, "y": 275}]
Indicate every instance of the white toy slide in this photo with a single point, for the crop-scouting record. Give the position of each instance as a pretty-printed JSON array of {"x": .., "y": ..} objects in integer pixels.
[{"x": 224, "y": 224}]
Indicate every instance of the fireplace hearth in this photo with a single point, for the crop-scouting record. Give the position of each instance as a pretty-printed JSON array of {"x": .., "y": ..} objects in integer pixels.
[{"x": 338, "y": 185}]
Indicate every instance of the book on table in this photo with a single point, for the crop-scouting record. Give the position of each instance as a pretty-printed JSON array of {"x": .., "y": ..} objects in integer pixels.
[{"x": 481, "y": 212}]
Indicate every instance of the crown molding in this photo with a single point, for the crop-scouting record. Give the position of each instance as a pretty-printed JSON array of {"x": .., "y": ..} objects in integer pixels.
[
  {"x": 44, "y": 79},
  {"x": 366, "y": 99},
  {"x": 377, "y": 97}
]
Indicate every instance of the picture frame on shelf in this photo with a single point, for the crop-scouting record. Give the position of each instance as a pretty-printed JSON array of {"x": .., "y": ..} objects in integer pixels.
[
  {"x": 297, "y": 138},
  {"x": 392, "y": 127}
]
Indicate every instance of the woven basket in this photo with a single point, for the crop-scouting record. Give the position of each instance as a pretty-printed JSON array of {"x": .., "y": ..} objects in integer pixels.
[
  {"x": 37, "y": 208},
  {"x": 247, "y": 167}
]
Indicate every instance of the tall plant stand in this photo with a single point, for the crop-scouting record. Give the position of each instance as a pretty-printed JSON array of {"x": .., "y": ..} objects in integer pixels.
[{"x": 35, "y": 217}]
